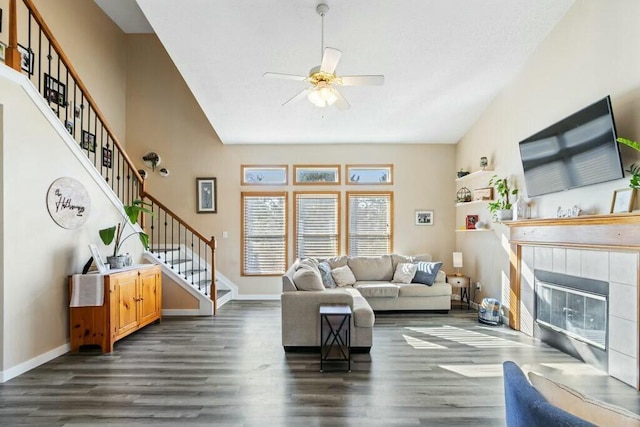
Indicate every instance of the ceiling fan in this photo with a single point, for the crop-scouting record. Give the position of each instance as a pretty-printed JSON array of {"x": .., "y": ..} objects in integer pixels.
[{"x": 323, "y": 80}]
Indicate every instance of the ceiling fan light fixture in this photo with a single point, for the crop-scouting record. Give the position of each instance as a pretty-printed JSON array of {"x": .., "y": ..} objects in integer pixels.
[{"x": 316, "y": 98}]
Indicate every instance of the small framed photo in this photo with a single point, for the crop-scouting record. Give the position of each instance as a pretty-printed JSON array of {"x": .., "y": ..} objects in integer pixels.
[
  {"x": 88, "y": 141},
  {"x": 27, "y": 59},
  {"x": 97, "y": 259},
  {"x": 471, "y": 222},
  {"x": 77, "y": 109},
  {"x": 206, "y": 195},
  {"x": 424, "y": 218},
  {"x": 264, "y": 175},
  {"x": 369, "y": 174},
  {"x": 485, "y": 193},
  {"x": 68, "y": 124},
  {"x": 314, "y": 175},
  {"x": 623, "y": 200},
  {"x": 107, "y": 157},
  {"x": 3, "y": 47}
]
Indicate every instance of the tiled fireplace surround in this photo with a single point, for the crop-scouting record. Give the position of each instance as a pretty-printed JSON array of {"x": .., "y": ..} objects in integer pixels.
[{"x": 605, "y": 247}]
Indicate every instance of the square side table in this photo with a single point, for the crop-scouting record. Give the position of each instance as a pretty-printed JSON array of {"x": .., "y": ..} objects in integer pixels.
[{"x": 335, "y": 334}]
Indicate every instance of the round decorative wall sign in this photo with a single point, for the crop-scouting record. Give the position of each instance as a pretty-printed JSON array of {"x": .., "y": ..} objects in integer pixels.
[{"x": 68, "y": 203}]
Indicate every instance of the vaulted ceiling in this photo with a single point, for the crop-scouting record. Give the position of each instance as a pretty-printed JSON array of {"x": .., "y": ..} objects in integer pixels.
[{"x": 444, "y": 61}]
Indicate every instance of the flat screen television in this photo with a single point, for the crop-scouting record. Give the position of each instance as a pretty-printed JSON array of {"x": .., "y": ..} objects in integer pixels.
[{"x": 577, "y": 151}]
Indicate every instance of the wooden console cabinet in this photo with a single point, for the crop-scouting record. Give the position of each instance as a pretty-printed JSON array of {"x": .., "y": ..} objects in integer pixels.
[{"x": 132, "y": 300}]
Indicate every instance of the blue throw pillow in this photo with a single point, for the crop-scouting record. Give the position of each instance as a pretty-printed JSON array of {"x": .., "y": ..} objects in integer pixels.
[
  {"x": 427, "y": 272},
  {"x": 325, "y": 273}
]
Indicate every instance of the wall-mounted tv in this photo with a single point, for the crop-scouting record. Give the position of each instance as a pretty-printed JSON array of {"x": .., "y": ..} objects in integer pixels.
[{"x": 577, "y": 151}]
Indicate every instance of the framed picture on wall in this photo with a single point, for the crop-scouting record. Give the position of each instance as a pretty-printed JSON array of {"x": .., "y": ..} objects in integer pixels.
[
  {"x": 3, "y": 51},
  {"x": 27, "y": 59},
  {"x": 206, "y": 195},
  {"x": 471, "y": 222},
  {"x": 424, "y": 218}
]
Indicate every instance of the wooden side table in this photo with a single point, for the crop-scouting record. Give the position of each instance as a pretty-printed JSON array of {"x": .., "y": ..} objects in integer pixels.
[
  {"x": 464, "y": 284},
  {"x": 335, "y": 334}
]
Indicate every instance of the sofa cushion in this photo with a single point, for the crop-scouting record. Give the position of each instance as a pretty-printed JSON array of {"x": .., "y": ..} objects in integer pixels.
[
  {"x": 373, "y": 289},
  {"x": 337, "y": 261},
  {"x": 404, "y": 272},
  {"x": 426, "y": 272},
  {"x": 592, "y": 410},
  {"x": 307, "y": 278},
  {"x": 420, "y": 290},
  {"x": 363, "y": 315},
  {"x": 398, "y": 259},
  {"x": 325, "y": 273},
  {"x": 343, "y": 276},
  {"x": 371, "y": 268}
]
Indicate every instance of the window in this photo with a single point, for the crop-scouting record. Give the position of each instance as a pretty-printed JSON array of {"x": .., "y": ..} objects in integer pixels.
[
  {"x": 370, "y": 223},
  {"x": 264, "y": 234},
  {"x": 317, "y": 226}
]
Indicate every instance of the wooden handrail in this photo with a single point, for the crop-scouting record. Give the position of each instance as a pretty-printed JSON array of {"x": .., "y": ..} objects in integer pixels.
[
  {"x": 211, "y": 243},
  {"x": 13, "y": 58},
  {"x": 65, "y": 60}
]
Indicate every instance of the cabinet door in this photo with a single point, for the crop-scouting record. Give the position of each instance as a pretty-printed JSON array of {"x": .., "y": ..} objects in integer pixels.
[
  {"x": 150, "y": 296},
  {"x": 127, "y": 297}
]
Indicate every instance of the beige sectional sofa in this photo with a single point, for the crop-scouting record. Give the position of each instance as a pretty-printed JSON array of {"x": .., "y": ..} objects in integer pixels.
[{"x": 374, "y": 289}]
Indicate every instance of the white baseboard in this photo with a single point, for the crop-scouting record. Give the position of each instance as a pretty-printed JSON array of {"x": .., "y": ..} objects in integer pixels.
[
  {"x": 183, "y": 312},
  {"x": 259, "y": 297},
  {"x": 33, "y": 363}
]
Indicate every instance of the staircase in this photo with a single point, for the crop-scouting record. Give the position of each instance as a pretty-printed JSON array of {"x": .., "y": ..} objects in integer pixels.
[
  {"x": 186, "y": 256},
  {"x": 194, "y": 274}
]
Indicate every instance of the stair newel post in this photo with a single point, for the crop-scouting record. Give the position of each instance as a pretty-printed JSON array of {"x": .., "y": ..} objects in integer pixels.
[
  {"x": 13, "y": 58},
  {"x": 213, "y": 292}
]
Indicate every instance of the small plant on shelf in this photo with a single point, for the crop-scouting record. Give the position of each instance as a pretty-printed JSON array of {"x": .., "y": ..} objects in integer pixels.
[
  {"x": 501, "y": 207},
  {"x": 108, "y": 235},
  {"x": 634, "y": 169}
]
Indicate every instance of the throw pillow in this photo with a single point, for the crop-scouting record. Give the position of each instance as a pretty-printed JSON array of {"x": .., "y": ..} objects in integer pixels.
[
  {"x": 589, "y": 409},
  {"x": 343, "y": 276},
  {"x": 404, "y": 272},
  {"x": 307, "y": 278},
  {"x": 325, "y": 273},
  {"x": 426, "y": 272}
]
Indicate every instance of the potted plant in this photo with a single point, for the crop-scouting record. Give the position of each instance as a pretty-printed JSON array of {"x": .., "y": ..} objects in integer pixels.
[
  {"x": 108, "y": 235},
  {"x": 634, "y": 169},
  {"x": 501, "y": 207}
]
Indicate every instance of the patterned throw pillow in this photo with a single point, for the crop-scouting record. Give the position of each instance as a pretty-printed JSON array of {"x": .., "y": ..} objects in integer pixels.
[
  {"x": 325, "y": 273},
  {"x": 426, "y": 272},
  {"x": 405, "y": 272},
  {"x": 343, "y": 276}
]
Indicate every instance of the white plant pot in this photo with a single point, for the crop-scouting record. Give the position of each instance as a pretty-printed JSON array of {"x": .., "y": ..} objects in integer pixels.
[{"x": 504, "y": 214}]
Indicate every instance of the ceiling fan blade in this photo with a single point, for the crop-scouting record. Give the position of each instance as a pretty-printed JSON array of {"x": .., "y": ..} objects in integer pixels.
[
  {"x": 340, "y": 103},
  {"x": 298, "y": 96},
  {"x": 377, "y": 80},
  {"x": 284, "y": 76},
  {"x": 330, "y": 60}
]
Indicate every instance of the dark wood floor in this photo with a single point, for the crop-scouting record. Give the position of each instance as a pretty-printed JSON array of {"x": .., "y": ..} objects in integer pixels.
[{"x": 423, "y": 369}]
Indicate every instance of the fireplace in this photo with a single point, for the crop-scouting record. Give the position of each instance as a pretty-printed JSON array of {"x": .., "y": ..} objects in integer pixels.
[
  {"x": 571, "y": 314},
  {"x": 588, "y": 306}
]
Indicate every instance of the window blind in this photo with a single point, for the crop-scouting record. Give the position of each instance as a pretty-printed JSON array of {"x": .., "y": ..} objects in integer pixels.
[
  {"x": 264, "y": 243},
  {"x": 317, "y": 224},
  {"x": 370, "y": 223}
]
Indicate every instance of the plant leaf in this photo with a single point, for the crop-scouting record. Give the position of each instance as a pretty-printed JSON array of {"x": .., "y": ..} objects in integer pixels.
[
  {"x": 107, "y": 235},
  {"x": 144, "y": 239},
  {"x": 629, "y": 143}
]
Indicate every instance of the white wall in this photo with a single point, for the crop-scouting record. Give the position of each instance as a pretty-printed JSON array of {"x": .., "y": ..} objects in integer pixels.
[
  {"x": 592, "y": 52},
  {"x": 38, "y": 254}
]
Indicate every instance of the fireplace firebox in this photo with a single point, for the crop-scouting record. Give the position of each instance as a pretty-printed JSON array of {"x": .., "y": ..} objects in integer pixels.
[{"x": 571, "y": 315}]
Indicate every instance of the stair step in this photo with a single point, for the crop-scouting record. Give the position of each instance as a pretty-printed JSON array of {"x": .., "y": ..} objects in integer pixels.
[{"x": 222, "y": 292}]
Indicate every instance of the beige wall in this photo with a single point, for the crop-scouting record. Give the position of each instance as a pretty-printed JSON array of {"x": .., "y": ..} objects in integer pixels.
[
  {"x": 163, "y": 116},
  {"x": 38, "y": 254},
  {"x": 175, "y": 297},
  {"x": 96, "y": 48},
  {"x": 593, "y": 52}
]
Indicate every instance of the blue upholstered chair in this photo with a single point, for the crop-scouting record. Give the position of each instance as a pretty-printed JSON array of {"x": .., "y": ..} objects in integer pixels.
[{"x": 526, "y": 407}]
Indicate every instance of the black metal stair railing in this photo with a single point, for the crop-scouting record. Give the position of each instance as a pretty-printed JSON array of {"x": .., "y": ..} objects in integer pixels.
[{"x": 38, "y": 55}]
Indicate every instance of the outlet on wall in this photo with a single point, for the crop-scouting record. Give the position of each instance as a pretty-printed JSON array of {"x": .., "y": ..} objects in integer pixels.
[{"x": 478, "y": 286}]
